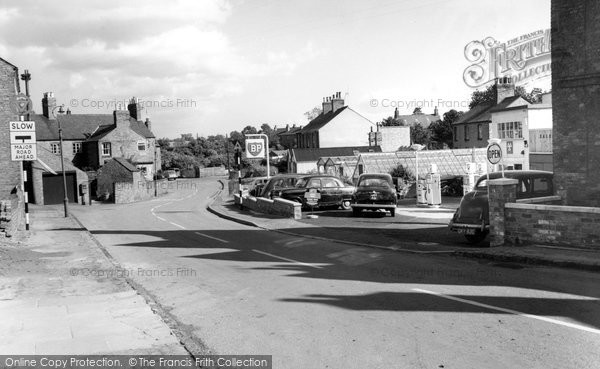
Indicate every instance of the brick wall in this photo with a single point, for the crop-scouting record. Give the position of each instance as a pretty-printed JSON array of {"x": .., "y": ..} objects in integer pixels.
[
  {"x": 10, "y": 170},
  {"x": 576, "y": 100},
  {"x": 553, "y": 224},
  {"x": 459, "y": 141}
]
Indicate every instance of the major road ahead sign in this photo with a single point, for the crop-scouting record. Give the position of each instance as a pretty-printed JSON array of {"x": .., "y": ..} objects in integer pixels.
[
  {"x": 494, "y": 153},
  {"x": 22, "y": 141},
  {"x": 20, "y": 152}
]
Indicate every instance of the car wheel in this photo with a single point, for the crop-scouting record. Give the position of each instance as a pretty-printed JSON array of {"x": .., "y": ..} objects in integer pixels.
[
  {"x": 346, "y": 205},
  {"x": 393, "y": 212},
  {"x": 356, "y": 212},
  {"x": 476, "y": 238}
]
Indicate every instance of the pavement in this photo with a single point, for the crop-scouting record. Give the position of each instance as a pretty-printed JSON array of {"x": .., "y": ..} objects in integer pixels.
[
  {"x": 418, "y": 218},
  {"x": 61, "y": 294}
]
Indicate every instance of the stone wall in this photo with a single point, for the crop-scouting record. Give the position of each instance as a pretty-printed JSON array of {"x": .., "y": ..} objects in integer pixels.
[
  {"x": 11, "y": 175},
  {"x": 281, "y": 207},
  {"x": 576, "y": 100},
  {"x": 139, "y": 189},
  {"x": 552, "y": 224},
  {"x": 11, "y": 213}
]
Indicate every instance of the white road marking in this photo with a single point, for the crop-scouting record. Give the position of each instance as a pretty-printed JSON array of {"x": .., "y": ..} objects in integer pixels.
[
  {"x": 510, "y": 311},
  {"x": 177, "y": 225},
  {"x": 170, "y": 202},
  {"x": 286, "y": 259},
  {"x": 214, "y": 238}
]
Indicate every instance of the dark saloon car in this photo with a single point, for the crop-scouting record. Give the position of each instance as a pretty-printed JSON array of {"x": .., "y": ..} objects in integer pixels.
[
  {"x": 472, "y": 218},
  {"x": 279, "y": 182},
  {"x": 374, "y": 192},
  {"x": 333, "y": 191}
]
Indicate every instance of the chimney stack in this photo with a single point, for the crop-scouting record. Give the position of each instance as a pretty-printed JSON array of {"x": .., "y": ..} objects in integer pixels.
[
  {"x": 327, "y": 105},
  {"x": 48, "y": 104},
  {"x": 135, "y": 109},
  {"x": 337, "y": 102},
  {"x": 148, "y": 124},
  {"x": 436, "y": 111},
  {"x": 505, "y": 87},
  {"x": 121, "y": 117}
]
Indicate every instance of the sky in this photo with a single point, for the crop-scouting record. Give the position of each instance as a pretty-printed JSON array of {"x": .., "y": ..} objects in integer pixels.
[{"x": 213, "y": 66}]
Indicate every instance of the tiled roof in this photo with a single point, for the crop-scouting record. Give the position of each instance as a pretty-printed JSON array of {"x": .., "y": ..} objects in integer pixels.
[
  {"x": 11, "y": 64},
  {"x": 315, "y": 154},
  {"x": 74, "y": 126},
  {"x": 479, "y": 113},
  {"x": 510, "y": 102},
  {"x": 322, "y": 120},
  {"x": 125, "y": 163},
  {"x": 82, "y": 127}
]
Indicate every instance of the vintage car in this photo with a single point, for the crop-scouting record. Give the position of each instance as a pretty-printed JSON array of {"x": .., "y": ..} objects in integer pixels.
[
  {"x": 472, "y": 217},
  {"x": 279, "y": 182},
  {"x": 332, "y": 190},
  {"x": 374, "y": 192}
]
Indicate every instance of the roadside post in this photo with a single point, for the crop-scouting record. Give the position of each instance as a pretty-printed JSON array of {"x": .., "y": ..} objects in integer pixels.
[
  {"x": 23, "y": 147},
  {"x": 256, "y": 148},
  {"x": 312, "y": 196},
  {"x": 494, "y": 156}
]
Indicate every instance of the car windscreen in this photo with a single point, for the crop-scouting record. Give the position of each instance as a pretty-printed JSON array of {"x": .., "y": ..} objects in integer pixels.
[{"x": 373, "y": 182}]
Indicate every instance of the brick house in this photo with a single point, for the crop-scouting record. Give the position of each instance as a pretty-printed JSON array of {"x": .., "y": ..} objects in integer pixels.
[
  {"x": 337, "y": 126},
  {"x": 472, "y": 130},
  {"x": 90, "y": 140}
]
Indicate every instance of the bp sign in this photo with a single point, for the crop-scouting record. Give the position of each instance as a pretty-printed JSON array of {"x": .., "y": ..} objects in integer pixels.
[
  {"x": 255, "y": 148},
  {"x": 494, "y": 153}
]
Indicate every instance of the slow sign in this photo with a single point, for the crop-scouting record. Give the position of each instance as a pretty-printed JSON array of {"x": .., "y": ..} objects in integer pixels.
[{"x": 494, "y": 153}]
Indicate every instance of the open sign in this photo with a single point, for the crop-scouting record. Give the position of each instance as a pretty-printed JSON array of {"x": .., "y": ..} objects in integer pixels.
[
  {"x": 494, "y": 153},
  {"x": 255, "y": 148}
]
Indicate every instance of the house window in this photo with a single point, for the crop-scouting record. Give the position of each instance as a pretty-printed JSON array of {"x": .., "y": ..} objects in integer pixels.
[
  {"x": 141, "y": 145},
  {"x": 480, "y": 132},
  {"x": 455, "y": 133},
  {"x": 55, "y": 148},
  {"x": 510, "y": 130},
  {"x": 76, "y": 147},
  {"x": 466, "y": 132},
  {"x": 106, "y": 149}
]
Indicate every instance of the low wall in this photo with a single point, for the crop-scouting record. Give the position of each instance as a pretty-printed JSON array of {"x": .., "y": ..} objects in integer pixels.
[
  {"x": 128, "y": 192},
  {"x": 552, "y": 224},
  {"x": 11, "y": 213},
  {"x": 284, "y": 208}
]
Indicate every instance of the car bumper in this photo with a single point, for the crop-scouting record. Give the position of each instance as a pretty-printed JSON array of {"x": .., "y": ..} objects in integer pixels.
[
  {"x": 468, "y": 228},
  {"x": 373, "y": 206}
]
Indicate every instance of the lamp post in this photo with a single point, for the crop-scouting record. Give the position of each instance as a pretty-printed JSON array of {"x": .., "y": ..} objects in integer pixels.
[{"x": 62, "y": 159}]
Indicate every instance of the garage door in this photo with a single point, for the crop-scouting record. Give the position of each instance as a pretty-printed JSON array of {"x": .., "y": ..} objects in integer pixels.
[{"x": 53, "y": 188}]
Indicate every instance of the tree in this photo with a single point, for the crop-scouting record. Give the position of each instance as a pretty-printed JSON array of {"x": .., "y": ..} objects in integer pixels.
[
  {"x": 441, "y": 131},
  {"x": 271, "y": 133},
  {"x": 420, "y": 135},
  {"x": 313, "y": 113},
  {"x": 490, "y": 95}
]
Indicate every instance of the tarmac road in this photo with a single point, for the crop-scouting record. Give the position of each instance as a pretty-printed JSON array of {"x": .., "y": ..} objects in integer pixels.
[{"x": 321, "y": 304}]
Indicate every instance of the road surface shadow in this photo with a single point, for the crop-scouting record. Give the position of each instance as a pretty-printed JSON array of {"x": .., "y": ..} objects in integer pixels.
[{"x": 305, "y": 258}]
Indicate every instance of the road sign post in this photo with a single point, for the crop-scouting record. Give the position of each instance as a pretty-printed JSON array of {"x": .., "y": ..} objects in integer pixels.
[
  {"x": 256, "y": 148},
  {"x": 23, "y": 146}
]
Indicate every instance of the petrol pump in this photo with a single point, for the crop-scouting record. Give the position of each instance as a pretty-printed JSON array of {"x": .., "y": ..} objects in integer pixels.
[{"x": 433, "y": 187}]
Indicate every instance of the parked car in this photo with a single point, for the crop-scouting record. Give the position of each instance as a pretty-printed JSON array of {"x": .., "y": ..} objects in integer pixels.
[
  {"x": 279, "y": 182},
  {"x": 170, "y": 174},
  {"x": 472, "y": 217},
  {"x": 374, "y": 192},
  {"x": 254, "y": 185},
  {"x": 333, "y": 191}
]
